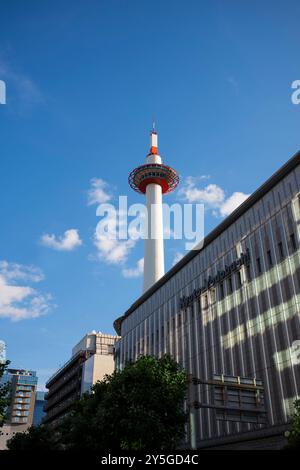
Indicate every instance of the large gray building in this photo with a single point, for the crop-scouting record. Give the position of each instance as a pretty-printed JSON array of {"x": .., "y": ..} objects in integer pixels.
[{"x": 229, "y": 314}]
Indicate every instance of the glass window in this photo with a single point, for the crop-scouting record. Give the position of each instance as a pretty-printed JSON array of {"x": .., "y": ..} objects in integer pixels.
[
  {"x": 258, "y": 264},
  {"x": 204, "y": 301},
  {"x": 221, "y": 290},
  {"x": 248, "y": 269},
  {"x": 230, "y": 285},
  {"x": 269, "y": 255},
  {"x": 280, "y": 250},
  {"x": 293, "y": 241},
  {"x": 239, "y": 279}
]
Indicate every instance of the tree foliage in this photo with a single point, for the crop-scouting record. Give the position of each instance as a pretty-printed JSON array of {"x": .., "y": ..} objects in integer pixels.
[
  {"x": 294, "y": 435},
  {"x": 138, "y": 408},
  {"x": 4, "y": 394},
  {"x": 37, "y": 438}
]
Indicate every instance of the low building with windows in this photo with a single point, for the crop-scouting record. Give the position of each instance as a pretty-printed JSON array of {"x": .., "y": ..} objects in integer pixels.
[
  {"x": 229, "y": 314},
  {"x": 92, "y": 358},
  {"x": 23, "y": 384}
]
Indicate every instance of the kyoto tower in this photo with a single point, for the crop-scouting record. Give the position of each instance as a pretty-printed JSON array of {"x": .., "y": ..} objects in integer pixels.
[{"x": 153, "y": 179}]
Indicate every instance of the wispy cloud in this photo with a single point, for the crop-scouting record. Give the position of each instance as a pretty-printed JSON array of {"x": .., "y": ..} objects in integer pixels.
[
  {"x": 20, "y": 88},
  {"x": 113, "y": 251},
  {"x": 67, "y": 242},
  {"x": 178, "y": 256},
  {"x": 234, "y": 84},
  {"x": 232, "y": 202},
  {"x": 98, "y": 192},
  {"x": 110, "y": 249},
  {"x": 19, "y": 302},
  {"x": 134, "y": 272},
  {"x": 212, "y": 196},
  {"x": 21, "y": 272}
]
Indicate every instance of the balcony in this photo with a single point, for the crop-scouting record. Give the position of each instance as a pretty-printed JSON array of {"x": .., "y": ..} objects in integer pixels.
[
  {"x": 61, "y": 408},
  {"x": 80, "y": 357},
  {"x": 65, "y": 391}
]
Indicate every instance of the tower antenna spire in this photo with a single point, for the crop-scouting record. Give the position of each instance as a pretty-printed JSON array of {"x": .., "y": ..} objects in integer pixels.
[{"x": 153, "y": 125}]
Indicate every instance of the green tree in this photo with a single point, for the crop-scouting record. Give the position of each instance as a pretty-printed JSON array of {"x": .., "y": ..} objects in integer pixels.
[
  {"x": 37, "y": 438},
  {"x": 138, "y": 408},
  {"x": 294, "y": 435},
  {"x": 4, "y": 394}
]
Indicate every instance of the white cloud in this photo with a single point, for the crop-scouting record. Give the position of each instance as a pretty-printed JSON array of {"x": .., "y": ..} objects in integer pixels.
[
  {"x": 112, "y": 251},
  {"x": 67, "y": 242},
  {"x": 195, "y": 179},
  {"x": 232, "y": 202},
  {"x": 98, "y": 192},
  {"x": 19, "y": 302},
  {"x": 19, "y": 271},
  {"x": 109, "y": 248},
  {"x": 178, "y": 256},
  {"x": 212, "y": 196},
  {"x": 134, "y": 272},
  {"x": 25, "y": 89}
]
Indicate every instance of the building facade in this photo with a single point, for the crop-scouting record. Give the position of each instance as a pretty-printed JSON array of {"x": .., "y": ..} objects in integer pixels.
[
  {"x": 229, "y": 314},
  {"x": 39, "y": 413},
  {"x": 23, "y": 384},
  {"x": 92, "y": 358},
  {"x": 2, "y": 352}
]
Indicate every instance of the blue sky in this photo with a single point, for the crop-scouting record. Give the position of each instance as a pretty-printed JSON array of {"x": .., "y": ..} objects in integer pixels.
[{"x": 84, "y": 80}]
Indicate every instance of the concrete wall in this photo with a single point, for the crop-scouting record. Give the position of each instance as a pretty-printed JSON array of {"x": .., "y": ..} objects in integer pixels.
[
  {"x": 94, "y": 369},
  {"x": 8, "y": 431}
]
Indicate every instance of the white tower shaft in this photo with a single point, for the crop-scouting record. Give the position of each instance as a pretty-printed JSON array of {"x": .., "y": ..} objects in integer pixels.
[
  {"x": 154, "y": 266},
  {"x": 154, "y": 262}
]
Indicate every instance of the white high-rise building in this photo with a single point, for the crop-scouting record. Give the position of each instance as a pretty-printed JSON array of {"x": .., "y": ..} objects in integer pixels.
[{"x": 92, "y": 358}]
